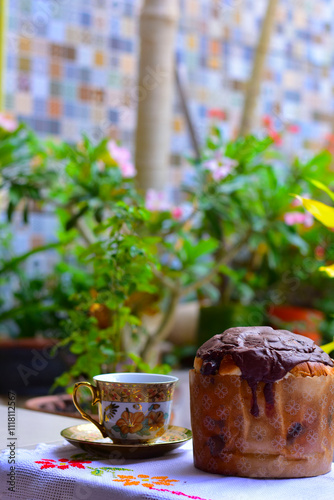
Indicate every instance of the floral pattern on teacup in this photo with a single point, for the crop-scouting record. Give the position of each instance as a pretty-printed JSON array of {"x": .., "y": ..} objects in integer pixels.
[
  {"x": 140, "y": 423},
  {"x": 136, "y": 393}
]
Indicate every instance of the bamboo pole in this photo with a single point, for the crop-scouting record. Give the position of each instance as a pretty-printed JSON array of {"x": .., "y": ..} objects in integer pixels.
[
  {"x": 254, "y": 83},
  {"x": 158, "y": 23},
  {"x": 186, "y": 113}
]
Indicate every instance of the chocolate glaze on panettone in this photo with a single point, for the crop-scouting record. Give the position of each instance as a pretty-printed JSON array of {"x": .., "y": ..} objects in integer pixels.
[{"x": 262, "y": 355}]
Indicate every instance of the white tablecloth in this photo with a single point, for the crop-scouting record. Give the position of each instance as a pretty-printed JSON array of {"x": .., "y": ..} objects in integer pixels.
[{"x": 63, "y": 472}]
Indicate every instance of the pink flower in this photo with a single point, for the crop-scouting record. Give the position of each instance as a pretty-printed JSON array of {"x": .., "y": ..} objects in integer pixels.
[
  {"x": 157, "y": 201},
  {"x": 221, "y": 172},
  {"x": 294, "y": 128},
  {"x": 267, "y": 121},
  {"x": 275, "y": 136},
  {"x": 128, "y": 169},
  {"x": 122, "y": 157},
  {"x": 118, "y": 153},
  {"x": 217, "y": 113},
  {"x": 221, "y": 166},
  {"x": 177, "y": 213},
  {"x": 8, "y": 123},
  {"x": 292, "y": 218}
]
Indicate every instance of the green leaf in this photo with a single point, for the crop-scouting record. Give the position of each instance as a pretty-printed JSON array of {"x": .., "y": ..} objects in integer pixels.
[
  {"x": 202, "y": 248},
  {"x": 323, "y": 187},
  {"x": 328, "y": 347}
]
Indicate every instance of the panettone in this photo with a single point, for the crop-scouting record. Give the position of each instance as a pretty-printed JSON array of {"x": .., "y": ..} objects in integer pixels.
[{"x": 262, "y": 405}]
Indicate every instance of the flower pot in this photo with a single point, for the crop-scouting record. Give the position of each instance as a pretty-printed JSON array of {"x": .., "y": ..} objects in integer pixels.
[
  {"x": 58, "y": 404},
  {"x": 299, "y": 320},
  {"x": 29, "y": 367}
]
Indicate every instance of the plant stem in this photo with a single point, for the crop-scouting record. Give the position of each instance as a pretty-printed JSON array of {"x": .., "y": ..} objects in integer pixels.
[
  {"x": 85, "y": 232},
  {"x": 164, "y": 280}
]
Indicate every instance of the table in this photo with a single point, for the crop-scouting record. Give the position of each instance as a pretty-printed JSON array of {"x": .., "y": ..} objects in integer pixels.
[
  {"x": 33, "y": 427},
  {"x": 58, "y": 471}
]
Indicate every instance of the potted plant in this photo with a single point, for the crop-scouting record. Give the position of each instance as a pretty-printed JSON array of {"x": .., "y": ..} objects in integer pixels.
[
  {"x": 245, "y": 187},
  {"x": 127, "y": 261}
]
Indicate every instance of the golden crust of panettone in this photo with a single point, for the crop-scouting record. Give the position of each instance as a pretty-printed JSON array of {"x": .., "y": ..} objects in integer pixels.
[{"x": 305, "y": 369}]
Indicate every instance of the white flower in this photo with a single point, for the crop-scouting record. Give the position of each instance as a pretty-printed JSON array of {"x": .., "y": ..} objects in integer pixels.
[
  {"x": 195, "y": 390},
  {"x": 242, "y": 445},
  {"x": 236, "y": 380},
  {"x": 292, "y": 407},
  {"x": 239, "y": 421},
  {"x": 288, "y": 385},
  {"x": 244, "y": 465},
  {"x": 276, "y": 421},
  {"x": 209, "y": 423},
  {"x": 220, "y": 390},
  {"x": 323, "y": 423},
  {"x": 310, "y": 415},
  {"x": 258, "y": 433},
  {"x": 226, "y": 434},
  {"x": 212, "y": 465},
  {"x": 312, "y": 436},
  {"x": 226, "y": 457},
  {"x": 308, "y": 395},
  {"x": 222, "y": 412},
  {"x": 206, "y": 402},
  {"x": 236, "y": 401},
  {"x": 325, "y": 442},
  {"x": 278, "y": 443},
  {"x": 297, "y": 450},
  {"x": 205, "y": 380},
  {"x": 324, "y": 400}
]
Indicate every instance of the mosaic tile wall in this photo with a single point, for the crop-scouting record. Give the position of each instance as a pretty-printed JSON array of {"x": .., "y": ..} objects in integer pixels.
[{"x": 72, "y": 65}]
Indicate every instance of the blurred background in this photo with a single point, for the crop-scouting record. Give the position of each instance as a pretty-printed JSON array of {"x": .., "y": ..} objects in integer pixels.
[{"x": 208, "y": 116}]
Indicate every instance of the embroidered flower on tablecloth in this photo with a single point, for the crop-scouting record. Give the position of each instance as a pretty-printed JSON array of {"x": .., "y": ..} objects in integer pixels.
[
  {"x": 62, "y": 463},
  {"x": 145, "y": 480}
]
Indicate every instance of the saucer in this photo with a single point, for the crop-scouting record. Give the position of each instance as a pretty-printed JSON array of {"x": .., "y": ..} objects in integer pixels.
[{"x": 88, "y": 438}]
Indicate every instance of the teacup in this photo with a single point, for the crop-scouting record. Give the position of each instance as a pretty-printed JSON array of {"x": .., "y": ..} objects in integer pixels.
[{"x": 134, "y": 408}]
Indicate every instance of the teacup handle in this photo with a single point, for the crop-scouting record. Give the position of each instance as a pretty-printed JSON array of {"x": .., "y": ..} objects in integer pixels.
[{"x": 96, "y": 399}]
